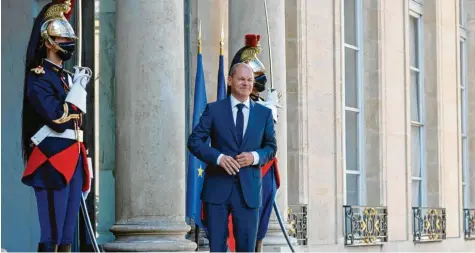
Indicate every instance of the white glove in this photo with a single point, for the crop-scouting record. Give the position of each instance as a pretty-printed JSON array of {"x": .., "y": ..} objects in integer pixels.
[
  {"x": 85, "y": 194},
  {"x": 91, "y": 176},
  {"x": 82, "y": 76},
  {"x": 272, "y": 102},
  {"x": 77, "y": 96}
]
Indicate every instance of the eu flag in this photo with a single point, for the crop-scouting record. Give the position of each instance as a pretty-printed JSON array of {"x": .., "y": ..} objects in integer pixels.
[{"x": 195, "y": 166}]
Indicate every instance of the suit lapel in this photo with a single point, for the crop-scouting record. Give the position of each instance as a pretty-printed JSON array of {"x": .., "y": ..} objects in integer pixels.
[
  {"x": 251, "y": 122},
  {"x": 229, "y": 119}
]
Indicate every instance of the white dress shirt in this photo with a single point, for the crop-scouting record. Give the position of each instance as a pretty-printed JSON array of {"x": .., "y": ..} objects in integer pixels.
[{"x": 245, "y": 112}]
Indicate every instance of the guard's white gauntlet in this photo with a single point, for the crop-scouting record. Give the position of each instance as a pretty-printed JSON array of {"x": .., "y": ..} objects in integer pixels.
[
  {"x": 82, "y": 76},
  {"x": 77, "y": 94},
  {"x": 272, "y": 102}
]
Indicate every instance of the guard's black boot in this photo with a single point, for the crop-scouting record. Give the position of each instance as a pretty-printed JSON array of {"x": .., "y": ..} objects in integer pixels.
[
  {"x": 64, "y": 248},
  {"x": 47, "y": 247}
]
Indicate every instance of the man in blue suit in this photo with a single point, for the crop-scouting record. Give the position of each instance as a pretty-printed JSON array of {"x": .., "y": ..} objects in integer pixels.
[{"x": 242, "y": 140}]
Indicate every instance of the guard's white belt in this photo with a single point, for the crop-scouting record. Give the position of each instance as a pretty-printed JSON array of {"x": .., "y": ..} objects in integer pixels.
[{"x": 46, "y": 131}]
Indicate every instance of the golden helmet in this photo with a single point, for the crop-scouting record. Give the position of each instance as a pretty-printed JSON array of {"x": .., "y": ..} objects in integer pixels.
[{"x": 56, "y": 24}]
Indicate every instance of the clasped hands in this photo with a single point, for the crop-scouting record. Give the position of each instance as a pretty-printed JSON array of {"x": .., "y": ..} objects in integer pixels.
[{"x": 232, "y": 166}]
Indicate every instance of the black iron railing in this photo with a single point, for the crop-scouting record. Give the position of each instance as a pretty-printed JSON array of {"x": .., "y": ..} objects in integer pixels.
[
  {"x": 297, "y": 217},
  {"x": 365, "y": 225},
  {"x": 469, "y": 223},
  {"x": 429, "y": 224}
]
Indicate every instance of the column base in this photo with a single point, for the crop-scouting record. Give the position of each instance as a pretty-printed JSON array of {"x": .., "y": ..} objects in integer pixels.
[
  {"x": 203, "y": 242},
  {"x": 150, "y": 236},
  {"x": 275, "y": 240}
]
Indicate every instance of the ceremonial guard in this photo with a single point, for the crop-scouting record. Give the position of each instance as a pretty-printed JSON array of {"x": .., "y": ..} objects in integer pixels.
[
  {"x": 270, "y": 173},
  {"x": 54, "y": 105}
]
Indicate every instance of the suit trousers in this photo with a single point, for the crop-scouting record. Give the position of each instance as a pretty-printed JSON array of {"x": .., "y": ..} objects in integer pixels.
[
  {"x": 245, "y": 222},
  {"x": 58, "y": 209}
]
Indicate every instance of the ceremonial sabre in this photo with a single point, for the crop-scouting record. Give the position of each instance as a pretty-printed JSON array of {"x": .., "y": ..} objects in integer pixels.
[
  {"x": 270, "y": 48},
  {"x": 79, "y": 24},
  {"x": 90, "y": 231},
  {"x": 279, "y": 218}
]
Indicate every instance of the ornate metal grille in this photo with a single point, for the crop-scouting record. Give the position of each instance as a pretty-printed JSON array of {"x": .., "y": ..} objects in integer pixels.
[
  {"x": 469, "y": 223},
  {"x": 429, "y": 224},
  {"x": 365, "y": 225},
  {"x": 297, "y": 217}
]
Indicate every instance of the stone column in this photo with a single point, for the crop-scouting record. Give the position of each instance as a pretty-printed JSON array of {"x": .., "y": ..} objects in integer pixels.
[
  {"x": 150, "y": 128},
  {"x": 248, "y": 16}
]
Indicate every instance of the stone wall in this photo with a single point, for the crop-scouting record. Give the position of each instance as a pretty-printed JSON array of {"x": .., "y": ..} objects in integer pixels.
[{"x": 17, "y": 21}]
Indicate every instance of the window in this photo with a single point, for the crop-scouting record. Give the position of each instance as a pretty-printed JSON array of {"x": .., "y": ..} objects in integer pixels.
[
  {"x": 352, "y": 94},
  {"x": 463, "y": 121},
  {"x": 417, "y": 110},
  {"x": 463, "y": 105}
]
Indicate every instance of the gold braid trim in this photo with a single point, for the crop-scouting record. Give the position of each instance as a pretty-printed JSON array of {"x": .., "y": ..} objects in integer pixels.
[
  {"x": 65, "y": 117},
  {"x": 65, "y": 114},
  {"x": 38, "y": 70}
]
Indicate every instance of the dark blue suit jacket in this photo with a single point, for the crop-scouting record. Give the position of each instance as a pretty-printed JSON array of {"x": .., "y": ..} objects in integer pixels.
[{"x": 217, "y": 123}]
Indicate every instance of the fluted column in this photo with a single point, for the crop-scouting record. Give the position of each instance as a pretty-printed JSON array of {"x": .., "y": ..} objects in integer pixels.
[
  {"x": 150, "y": 128},
  {"x": 248, "y": 16}
]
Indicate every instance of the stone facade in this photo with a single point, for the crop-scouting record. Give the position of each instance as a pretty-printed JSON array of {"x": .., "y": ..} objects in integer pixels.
[
  {"x": 147, "y": 63},
  {"x": 387, "y": 144}
]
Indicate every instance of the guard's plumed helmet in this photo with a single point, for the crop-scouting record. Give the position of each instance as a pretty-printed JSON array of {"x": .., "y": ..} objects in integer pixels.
[
  {"x": 55, "y": 23},
  {"x": 248, "y": 54}
]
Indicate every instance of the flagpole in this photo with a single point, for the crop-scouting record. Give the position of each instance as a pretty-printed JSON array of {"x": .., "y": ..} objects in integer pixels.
[
  {"x": 221, "y": 42},
  {"x": 199, "y": 36},
  {"x": 222, "y": 89}
]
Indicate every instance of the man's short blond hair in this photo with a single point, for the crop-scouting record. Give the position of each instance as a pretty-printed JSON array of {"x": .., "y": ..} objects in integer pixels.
[{"x": 237, "y": 65}]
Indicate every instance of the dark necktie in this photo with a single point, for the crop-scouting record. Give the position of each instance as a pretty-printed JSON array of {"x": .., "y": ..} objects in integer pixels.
[{"x": 239, "y": 123}]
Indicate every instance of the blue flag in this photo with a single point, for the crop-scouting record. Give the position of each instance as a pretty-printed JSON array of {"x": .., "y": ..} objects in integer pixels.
[
  {"x": 196, "y": 167},
  {"x": 221, "y": 79}
]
